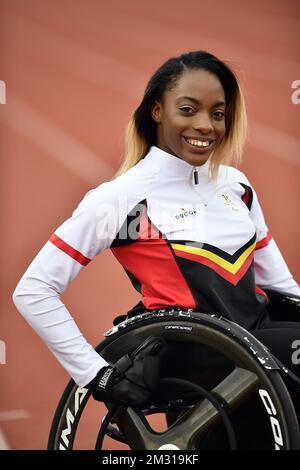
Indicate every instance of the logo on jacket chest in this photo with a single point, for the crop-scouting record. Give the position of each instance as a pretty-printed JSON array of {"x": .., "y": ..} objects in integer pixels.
[
  {"x": 229, "y": 202},
  {"x": 176, "y": 221},
  {"x": 185, "y": 213}
]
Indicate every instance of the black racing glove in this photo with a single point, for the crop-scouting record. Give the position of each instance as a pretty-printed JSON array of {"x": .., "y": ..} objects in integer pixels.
[{"x": 133, "y": 378}]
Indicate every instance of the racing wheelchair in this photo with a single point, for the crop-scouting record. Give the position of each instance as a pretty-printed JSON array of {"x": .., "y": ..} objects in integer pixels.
[{"x": 220, "y": 387}]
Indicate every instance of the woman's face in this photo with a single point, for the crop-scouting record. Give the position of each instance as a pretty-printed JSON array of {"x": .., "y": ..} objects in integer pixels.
[{"x": 191, "y": 117}]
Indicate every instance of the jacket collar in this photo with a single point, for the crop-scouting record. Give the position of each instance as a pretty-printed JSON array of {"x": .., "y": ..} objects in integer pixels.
[{"x": 159, "y": 160}]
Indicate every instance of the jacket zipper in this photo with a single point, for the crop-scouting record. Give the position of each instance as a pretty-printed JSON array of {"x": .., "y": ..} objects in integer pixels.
[
  {"x": 196, "y": 176},
  {"x": 196, "y": 181}
]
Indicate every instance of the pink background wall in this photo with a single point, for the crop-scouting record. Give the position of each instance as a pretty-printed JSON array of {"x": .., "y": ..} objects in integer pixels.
[{"x": 74, "y": 71}]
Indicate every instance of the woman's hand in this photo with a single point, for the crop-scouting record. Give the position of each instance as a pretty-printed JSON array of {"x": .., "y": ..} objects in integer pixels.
[{"x": 133, "y": 378}]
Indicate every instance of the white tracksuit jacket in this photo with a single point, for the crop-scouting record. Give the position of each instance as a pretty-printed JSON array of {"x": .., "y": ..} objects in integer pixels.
[{"x": 184, "y": 240}]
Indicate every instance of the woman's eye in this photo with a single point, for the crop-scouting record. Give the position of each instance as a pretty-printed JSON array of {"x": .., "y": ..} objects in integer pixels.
[
  {"x": 219, "y": 114},
  {"x": 186, "y": 109}
]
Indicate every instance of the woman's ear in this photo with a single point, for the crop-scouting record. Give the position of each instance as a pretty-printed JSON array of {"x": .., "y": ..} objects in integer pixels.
[{"x": 156, "y": 112}]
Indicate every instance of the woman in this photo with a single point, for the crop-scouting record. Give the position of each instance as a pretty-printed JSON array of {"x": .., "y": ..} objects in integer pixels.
[{"x": 186, "y": 227}]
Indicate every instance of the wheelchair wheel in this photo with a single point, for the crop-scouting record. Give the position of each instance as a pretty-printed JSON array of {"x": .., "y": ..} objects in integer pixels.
[{"x": 209, "y": 351}]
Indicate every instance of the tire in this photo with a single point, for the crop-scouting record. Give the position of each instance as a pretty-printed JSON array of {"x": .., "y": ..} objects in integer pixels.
[{"x": 212, "y": 352}]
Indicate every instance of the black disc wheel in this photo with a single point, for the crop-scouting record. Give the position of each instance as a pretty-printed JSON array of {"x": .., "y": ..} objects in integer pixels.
[{"x": 208, "y": 352}]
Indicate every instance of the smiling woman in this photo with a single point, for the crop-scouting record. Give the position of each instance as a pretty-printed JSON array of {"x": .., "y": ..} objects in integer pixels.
[
  {"x": 186, "y": 227},
  {"x": 191, "y": 117},
  {"x": 193, "y": 106}
]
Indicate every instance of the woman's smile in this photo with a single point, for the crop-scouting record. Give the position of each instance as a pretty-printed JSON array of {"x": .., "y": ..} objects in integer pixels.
[{"x": 198, "y": 145}]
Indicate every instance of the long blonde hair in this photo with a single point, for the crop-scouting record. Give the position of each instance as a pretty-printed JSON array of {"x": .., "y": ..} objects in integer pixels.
[{"x": 141, "y": 129}]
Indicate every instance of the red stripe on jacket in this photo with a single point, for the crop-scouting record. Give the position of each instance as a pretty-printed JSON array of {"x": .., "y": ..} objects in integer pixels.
[
  {"x": 69, "y": 250},
  {"x": 264, "y": 241}
]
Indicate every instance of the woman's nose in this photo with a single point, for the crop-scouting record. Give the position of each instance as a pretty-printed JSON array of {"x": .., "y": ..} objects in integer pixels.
[{"x": 202, "y": 122}]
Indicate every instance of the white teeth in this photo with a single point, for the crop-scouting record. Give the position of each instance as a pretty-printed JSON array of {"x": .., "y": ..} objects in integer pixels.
[{"x": 198, "y": 143}]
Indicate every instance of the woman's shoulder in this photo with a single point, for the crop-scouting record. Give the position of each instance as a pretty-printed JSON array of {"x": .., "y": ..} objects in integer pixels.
[
  {"x": 132, "y": 185},
  {"x": 233, "y": 175}
]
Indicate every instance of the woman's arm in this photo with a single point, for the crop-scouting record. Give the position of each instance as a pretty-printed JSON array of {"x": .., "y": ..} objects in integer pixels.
[
  {"x": 271, "y": 270},
  {"x": 37, "y": 296}
]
